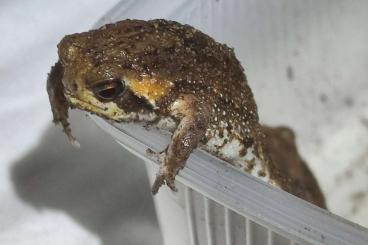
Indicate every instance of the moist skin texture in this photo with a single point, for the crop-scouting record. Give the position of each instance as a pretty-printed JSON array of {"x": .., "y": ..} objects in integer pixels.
[{"x": 161, "y": 71}]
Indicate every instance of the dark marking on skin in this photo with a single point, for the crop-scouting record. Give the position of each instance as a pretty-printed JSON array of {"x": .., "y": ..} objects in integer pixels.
[
  {"x": 261, "y": 173},
  {"x": 221, "y": 133},
  {"x": 226, "y": 140},
  {"x": 247, "y": 142},
  {"x": 132, "y": 103},
  {"x": 249, "y": 165},
  {"x": 242, "y": 151}
]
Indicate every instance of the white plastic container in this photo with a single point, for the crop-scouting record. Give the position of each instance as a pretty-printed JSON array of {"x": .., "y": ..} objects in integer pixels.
[{"x": 217, "y": 204}]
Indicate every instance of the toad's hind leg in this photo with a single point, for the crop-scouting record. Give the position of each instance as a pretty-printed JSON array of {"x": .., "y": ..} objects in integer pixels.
[{"x": 191, "y": 129}]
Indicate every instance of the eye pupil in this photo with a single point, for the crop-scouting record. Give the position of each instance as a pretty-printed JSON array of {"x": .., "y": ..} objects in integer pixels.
[
  {"x": 109, "y": 89},
  {"x": 107, "y": 93}
]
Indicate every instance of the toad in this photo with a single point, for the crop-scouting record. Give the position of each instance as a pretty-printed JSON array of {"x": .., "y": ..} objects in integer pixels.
[{"x": 159, "y": 70}]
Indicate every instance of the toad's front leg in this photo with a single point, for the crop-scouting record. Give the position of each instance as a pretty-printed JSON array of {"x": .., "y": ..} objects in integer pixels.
[
  {"x": 58, "y": 101},
  {"x": 194, "y": 119}
]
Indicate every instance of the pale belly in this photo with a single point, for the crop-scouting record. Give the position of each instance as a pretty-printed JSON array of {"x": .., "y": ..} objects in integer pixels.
[{"x": 229, "y": 149}]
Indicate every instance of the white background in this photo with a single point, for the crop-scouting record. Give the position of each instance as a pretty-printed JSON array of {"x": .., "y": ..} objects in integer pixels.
[
  {"x": 306, "y": 63},
  {"x": 51, "y": 193}
]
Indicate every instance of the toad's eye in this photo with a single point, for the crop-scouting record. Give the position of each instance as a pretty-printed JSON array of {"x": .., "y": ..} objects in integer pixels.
[{"x": 108, "y": 90}]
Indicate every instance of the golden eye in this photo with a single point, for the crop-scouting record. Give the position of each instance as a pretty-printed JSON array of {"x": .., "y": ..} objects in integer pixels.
[{"x": 108, "y": 90}]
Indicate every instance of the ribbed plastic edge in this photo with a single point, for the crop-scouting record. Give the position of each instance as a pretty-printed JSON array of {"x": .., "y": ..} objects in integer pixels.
[{"x": 244, "y": 194}]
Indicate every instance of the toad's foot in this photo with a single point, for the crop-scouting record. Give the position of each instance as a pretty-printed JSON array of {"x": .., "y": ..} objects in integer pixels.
[{"x": 164, "y": 176}]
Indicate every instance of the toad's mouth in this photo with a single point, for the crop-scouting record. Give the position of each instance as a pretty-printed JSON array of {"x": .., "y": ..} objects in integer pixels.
[
  {"x": 110, "y": 110},
  {"x": 106, "y": 110}
]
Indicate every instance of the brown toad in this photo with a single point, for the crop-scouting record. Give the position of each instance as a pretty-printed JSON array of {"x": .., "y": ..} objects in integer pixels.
[{"x": 157, "y": 70}]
